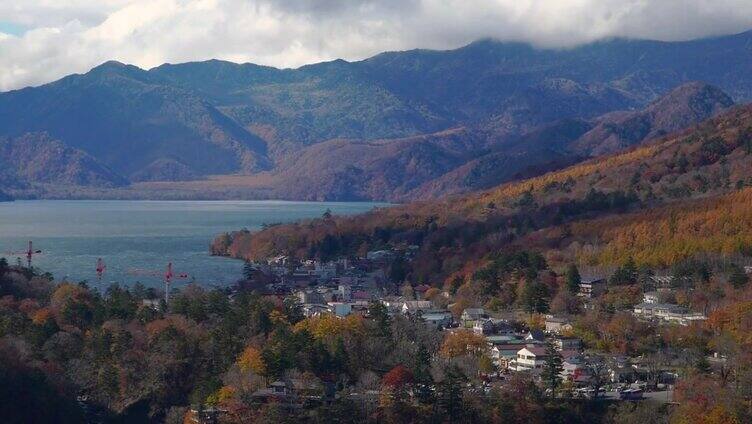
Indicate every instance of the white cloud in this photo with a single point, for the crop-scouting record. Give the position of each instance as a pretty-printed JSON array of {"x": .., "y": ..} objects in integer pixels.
[{"x": 66, "y": 36}]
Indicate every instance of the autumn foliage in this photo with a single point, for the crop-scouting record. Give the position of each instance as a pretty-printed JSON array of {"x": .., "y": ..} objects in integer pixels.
[{"x": 463, "y": 342}]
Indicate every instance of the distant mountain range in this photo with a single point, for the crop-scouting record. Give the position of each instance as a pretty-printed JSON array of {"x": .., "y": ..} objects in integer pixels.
[{"x": 397, "y": 126}]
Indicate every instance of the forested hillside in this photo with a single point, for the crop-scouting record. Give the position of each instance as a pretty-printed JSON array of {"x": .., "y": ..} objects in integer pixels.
[{"x": 668, "y": 185}]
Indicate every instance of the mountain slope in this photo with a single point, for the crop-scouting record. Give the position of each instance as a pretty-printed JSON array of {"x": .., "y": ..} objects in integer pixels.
[
  {"x": 379, "y": 169},
  {"x": 685, "y": 105},
  {"x": 565, "y": 142},
  {"x": 128, "y": 119},
  {"x": 38, "y": 158},
  {"x": 577, "y": 212}
]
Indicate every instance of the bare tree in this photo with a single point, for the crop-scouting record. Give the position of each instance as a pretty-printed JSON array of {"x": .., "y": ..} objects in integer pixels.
[{"x": 598, "y": 370}]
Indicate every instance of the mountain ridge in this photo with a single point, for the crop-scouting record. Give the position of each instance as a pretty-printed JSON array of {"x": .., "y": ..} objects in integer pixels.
[{"x": 183, "y": 122}]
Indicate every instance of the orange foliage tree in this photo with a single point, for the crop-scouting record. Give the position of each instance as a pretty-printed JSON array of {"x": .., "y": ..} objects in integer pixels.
[{"x": 463, "y": 342}]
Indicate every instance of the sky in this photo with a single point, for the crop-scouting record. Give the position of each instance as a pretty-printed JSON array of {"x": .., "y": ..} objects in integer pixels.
[{"x": 43, "y": 40}]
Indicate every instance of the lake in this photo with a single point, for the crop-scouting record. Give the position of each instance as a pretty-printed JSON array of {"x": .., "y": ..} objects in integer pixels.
[{"x": 142, "y": 235}]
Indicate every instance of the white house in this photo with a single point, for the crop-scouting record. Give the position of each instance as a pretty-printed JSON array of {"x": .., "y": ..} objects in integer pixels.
[
  {"x": 650, "y": 297},
  {"x": 530, "y": 357}
]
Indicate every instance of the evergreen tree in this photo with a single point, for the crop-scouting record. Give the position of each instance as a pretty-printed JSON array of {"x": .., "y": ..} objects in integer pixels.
[
  {"x": 625, "y": 274},
  {"x": 573, "y": 279},
  {"x": 378, "y": 312},
  {"x": 552, "y": 368},
  {"x": 422, "y": 376},
  {"x": 450, "y": 394},
  {"x": 535, "y": 297}
]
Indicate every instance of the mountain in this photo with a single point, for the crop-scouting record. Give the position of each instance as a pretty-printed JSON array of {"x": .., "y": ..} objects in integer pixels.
[
  {"x": 129, "y": 120},
  {"x": 189, "y": 121},
  {"x": 36, "y": 158},
  {"x": 567, "y": 141},
  {"x": 659, "y": 203},
  {"x": 686, "y": 105}
]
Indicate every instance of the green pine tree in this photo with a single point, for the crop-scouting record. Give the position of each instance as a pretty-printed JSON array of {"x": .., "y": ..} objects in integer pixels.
[
  {"x": 573, "y": 279},
  {"x": 552, "y": 368}
]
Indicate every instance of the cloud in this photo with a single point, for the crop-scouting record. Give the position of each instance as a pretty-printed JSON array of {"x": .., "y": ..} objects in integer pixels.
[{"x": 66, "y": 36}]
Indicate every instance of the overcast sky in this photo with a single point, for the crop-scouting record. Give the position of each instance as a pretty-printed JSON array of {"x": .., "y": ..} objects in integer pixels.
[{"x": 43, "y": 40}]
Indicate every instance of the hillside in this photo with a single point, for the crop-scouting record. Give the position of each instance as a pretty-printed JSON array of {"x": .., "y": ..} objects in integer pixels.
[
  {"x": 700, "y": 169},
  {"x": 567, "y": 141},
  {"x": 189, "y": 121},
  {"x": 685, "y": 105},
  {"x": 130, "y": 120},
  {"x": 37, "y": 158}
]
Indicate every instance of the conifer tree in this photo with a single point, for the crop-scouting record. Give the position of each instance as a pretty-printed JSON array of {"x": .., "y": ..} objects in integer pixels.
[{"x": 573, "y": 279}]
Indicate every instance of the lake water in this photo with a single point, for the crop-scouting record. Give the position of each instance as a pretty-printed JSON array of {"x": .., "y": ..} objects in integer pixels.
[{"x": 142, "y": 235}]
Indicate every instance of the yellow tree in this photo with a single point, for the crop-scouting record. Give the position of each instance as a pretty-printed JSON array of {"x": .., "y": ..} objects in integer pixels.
[
  {"x": 461, "y": 343},
  {"x": 250, "y": 360}
]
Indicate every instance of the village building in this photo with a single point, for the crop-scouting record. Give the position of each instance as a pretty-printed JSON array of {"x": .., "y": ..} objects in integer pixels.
[
  {"x": 438, "y": 319},
  {"x": 592, "y": 287},
  {"x": 340, "y": 309},
  {"x": 412, "y": 307},
  {"x": 667, "y": 312},
  {"x": 470, "y": 315},
  {"x": 555, "y": 325}
]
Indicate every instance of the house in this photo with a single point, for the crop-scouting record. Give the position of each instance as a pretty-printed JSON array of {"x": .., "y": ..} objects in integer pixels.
[
  {"x": 412, "y": 307},
  {"x": 557, "y": 325},
  {"x": 314, "y": 309},
  {"x": 277, "y": 391},
  {"x": 345, "y": 292},
  {"x": 567, "y": 343},
  {"x": 484, "y": 326},
  {"x": 535, "y": 336},
  {"x": 574, "y": 370},
  {"x": 667, "y": 312},
  {"x": 310, "y": 296},
  {"x": 470, "y": 315},
  {"x": 503, "y": 327},
  {"x": 488, "y": 326},
  {"x": 592, "y": 287},
  {"x": 658, "y": 310},
  {"x": 650, "y": 297},
  {"x": 505, "y": 354},
  {"x": 340, "y": 309},
  {"x": 530, "y": 357},
  {"x": 438, "y": 319}
]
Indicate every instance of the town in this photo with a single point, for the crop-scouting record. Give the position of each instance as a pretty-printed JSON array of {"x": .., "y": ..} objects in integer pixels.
[{"x": 542, "y": 346}]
